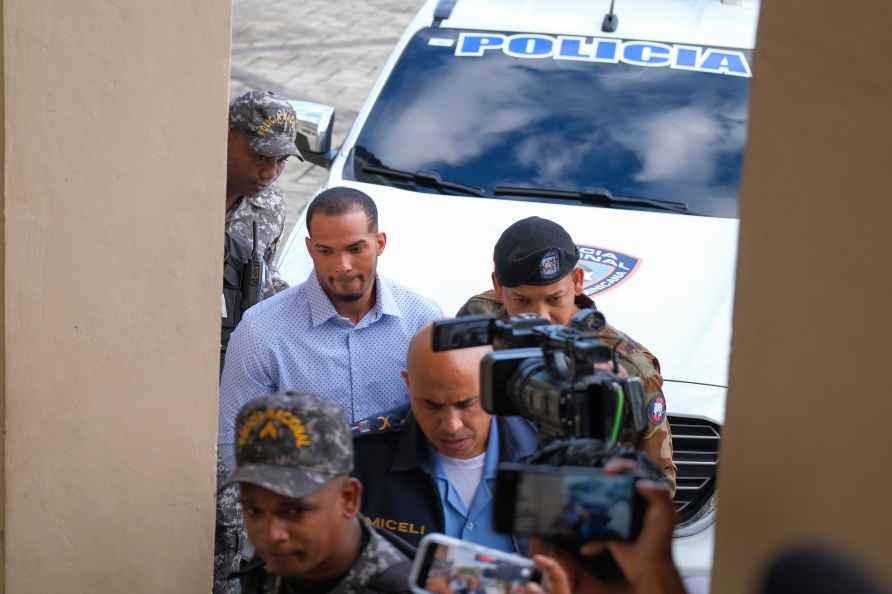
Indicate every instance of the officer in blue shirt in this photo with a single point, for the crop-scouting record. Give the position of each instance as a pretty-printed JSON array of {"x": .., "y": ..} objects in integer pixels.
[{"x": 431, "y": 466}]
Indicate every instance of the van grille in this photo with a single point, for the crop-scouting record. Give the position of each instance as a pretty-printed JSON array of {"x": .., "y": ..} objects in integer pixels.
[{"x": 695, "y": 444}]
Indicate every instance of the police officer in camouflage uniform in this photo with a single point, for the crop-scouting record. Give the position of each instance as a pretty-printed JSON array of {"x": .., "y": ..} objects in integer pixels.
[
  {"x": 535, "y": 272},
  {"x": 294, "y": 456},
  {"x": 262, "y": 130}
]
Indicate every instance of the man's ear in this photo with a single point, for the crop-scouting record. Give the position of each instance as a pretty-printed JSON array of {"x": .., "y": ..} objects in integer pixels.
[
  {"x": 309, "y": 243},
  {"x": 496, "y": 285},
  {"x": 405, "y": 374},
  {"x": 381, "y": 240},
  {"x": 351, "y": 494},
  {"x": 578, "y": 276}
]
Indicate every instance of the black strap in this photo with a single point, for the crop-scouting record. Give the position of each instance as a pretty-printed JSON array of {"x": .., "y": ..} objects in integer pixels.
[
  {"x": 393, "y": 579},
  {"x": 402, "y": 546}
]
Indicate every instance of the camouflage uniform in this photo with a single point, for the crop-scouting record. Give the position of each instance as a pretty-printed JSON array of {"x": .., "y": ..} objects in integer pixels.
[
  {"x": 229, "y": 536},
  {"x": 369, "y": 573},
  {"x": 635, "y": 359},
  {"x": 292, "y": 444},
  {"x": 267, "y": 208}
]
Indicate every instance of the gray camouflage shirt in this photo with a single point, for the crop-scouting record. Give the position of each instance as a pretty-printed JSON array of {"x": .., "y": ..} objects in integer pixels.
[
  {"x": 268, "y": 209},
  {"x": 377, "y": 556}
]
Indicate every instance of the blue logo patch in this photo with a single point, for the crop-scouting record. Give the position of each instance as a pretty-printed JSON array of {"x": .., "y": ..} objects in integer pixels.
[
  {"x": 550, "y": 265},
  {"x": 605, "y": 268}
]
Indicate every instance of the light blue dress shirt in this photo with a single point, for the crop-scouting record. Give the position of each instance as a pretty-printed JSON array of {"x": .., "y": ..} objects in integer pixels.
[
  {"x": 474, "y": 523},
  {"x": 296, "y": 340}
]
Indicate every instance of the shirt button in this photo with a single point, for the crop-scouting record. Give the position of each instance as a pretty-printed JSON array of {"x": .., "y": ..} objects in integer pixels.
[{"x": 470, "y": 525}]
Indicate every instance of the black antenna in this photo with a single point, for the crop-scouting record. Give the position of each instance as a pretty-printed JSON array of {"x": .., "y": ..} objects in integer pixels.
[{"x": 611, "y": 21}]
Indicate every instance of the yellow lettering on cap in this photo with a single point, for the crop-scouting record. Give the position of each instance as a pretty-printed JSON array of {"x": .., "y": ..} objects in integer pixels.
[
  {"x": 269, "y": 430},
  {"x": 281, "y": 116}
]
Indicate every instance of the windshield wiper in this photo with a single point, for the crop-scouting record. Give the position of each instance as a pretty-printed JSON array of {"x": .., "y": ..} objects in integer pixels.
[
  {"x": 594, "y": 196},
  {"x": 427, "y": 179}
]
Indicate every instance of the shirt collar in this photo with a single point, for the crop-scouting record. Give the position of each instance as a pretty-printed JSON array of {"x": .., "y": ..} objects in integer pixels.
[
  {"x": 415, "y": 451},
  {"x": 384, "y": 299},
  {"x": 322, "y": 309}
]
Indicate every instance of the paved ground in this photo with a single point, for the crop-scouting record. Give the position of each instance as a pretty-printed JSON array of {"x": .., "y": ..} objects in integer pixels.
[{"x": 328, "y": 51}]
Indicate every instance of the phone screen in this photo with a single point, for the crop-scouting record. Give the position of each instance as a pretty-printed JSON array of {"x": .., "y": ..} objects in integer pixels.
[
  {"x": 584, "y": 504},
  {"x": 450, "y": 569},
  {"x": 466, "y": 331}
]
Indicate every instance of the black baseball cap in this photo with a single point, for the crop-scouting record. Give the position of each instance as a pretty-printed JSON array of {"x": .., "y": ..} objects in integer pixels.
[{"x": 534, "y": 251}]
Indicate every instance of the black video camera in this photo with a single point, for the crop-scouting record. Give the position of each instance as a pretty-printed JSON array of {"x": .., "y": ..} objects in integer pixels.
[{"x": 547, "y": 373}]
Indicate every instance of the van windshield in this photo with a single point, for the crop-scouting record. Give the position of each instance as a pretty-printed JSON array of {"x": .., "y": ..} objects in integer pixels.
[{"x": 640, "y": 119}]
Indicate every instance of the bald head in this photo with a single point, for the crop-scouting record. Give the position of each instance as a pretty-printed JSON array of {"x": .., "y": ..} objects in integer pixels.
[
  {"x": 422, "y": 360},
  {"x": 445, "y": 395}
]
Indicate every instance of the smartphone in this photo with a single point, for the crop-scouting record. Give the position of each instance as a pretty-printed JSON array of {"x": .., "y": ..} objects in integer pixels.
[
  {"x": 569, "y": 503},
  {"x": 445, "y": 565}
]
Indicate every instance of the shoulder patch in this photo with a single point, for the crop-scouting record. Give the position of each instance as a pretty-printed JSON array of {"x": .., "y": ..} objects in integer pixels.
[
  {"x": 377, "y": 424},
  {"x": 656, "y": 410}
]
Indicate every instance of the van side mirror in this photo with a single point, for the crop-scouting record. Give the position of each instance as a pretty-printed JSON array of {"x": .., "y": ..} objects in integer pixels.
[{"x": 315, "y": 122}]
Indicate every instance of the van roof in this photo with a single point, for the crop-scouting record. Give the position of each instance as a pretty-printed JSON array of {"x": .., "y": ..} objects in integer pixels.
[{"x": 717, "y": 23}]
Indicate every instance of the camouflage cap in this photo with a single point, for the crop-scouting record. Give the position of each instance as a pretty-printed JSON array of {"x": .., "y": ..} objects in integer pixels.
[
  {"x": 291, "y": 444},
  {"x": 268, "y": 120}
]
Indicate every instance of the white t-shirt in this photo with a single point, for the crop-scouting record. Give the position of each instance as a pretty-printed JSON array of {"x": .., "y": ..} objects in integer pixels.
[{"x": 464, "y": 474}]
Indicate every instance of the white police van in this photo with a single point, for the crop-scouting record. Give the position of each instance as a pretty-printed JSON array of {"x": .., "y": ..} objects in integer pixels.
[{"x": 626, "y": 128}]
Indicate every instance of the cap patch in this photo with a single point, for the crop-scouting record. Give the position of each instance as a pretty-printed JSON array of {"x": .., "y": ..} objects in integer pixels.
[
  {"x": 657, "y": 410},
  {"x": 281, "y": 116},
  {"x": 550, "y": 265},
  {"x": 604, "y": 268},
  {"x": 274, "y": 420}
]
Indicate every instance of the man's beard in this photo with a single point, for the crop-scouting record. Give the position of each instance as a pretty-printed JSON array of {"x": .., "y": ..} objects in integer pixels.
[{"x": 347, "y": 297}]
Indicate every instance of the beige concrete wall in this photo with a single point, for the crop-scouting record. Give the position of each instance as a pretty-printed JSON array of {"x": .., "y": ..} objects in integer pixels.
[
  {"x": 115, "y": 131},
  {"x": 807, "y": 444},
  {"x": 2, "y": 309}
]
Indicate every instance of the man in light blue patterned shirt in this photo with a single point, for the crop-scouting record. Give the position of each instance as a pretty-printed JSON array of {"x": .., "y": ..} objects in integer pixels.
[{"x": 343, "y": 333}]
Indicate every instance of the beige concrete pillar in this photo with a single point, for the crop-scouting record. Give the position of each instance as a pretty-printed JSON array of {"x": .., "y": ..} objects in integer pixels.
[
  {"x": 807, "y": 446},
  {"x": 114, "y": 129}
]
